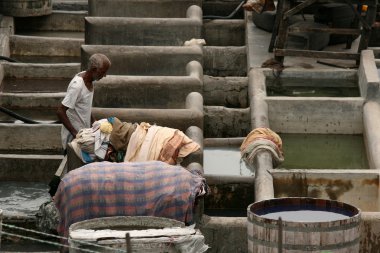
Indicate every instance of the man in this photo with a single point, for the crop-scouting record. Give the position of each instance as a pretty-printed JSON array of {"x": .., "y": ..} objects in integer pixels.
[{"x": 75, "y": 110}]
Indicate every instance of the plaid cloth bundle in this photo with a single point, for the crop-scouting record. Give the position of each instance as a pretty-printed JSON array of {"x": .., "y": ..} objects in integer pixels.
[{"x": 106, "y": 189}]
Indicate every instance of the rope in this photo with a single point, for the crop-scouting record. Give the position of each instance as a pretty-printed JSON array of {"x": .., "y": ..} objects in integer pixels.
[{"x": 55, "y": 236}]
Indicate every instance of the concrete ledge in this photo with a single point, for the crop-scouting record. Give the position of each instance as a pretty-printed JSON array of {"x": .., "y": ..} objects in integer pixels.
[
  {"x": 35, "y": 70},
  {"x": 145, "y": 60},
  {"x": 355, "y": 187},
  {"x": 371, "y": 133},
  {"x": 28, "y": 168},
  {"x": 44, "y": 46},
  {"x": 148, "y": 91},
  {"x": 31, "y": 100},
  {"x": 175, "y": 118},
  {"x": 144, "y": 31},
  {"x": 24, "y": 137},
  {"x": 257, "y": 95},
  {"x": 368, "y": 76},
  {"x": 141, "y": 8},
  {"x": 303, "y": 115},
  {"x": 56, "y": 21}
]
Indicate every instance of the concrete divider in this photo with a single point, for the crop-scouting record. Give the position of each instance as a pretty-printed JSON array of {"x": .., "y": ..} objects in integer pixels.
[
  {"x": 141, "y": 8},
  {"x": 39, "y": 70},
  {"x": 144, "y": 31},
  {"x": 44, "y": 46},
  {"x": 148, "y": 91},
  {"x": 36, "y": 137},
  {"x": 28, "y": 168},
  {"x": 180, "y": 119},
  {"x": 145, "y": 60},
  {"x": 371, "y": 133},
  {"x": 57, "y": 21},
  {"x": 368, "y": 76}
]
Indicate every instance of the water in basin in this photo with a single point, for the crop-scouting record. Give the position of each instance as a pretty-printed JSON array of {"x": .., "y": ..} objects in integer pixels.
[
  {"x": 298, "y": 87},
  {"x": 22, "y": 198},
  {"x": 224, "y": 161},
  {"x": 324, "y": 151}
]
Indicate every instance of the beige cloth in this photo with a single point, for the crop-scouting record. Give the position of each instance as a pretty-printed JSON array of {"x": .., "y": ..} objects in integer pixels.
[
  {"x": 144, "y": 151},
  {"x": 136, "y": 141}
]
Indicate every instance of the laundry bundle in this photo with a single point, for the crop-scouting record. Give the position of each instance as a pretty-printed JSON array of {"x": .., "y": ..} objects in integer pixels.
[
  {"x": 261, "y": 139},
  {"x": 116, "y": 141}
]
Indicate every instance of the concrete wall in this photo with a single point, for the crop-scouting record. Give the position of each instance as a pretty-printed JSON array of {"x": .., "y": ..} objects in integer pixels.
[
  {"x": 133, "y": 60},
  {"x": 34, "y": 70},
  {"x": 225, "y": 61},
  {"x": 226, "y": 122},
  {"x": 56, "y": 21},
  {"x": 368, "y": 77},
  {"x": 148, "y": 91},
  {"x": 317, "y": 116},
  {"x": 222, "y": 32},
  {"x": 356, "y": 187},
  {"x": 28, "y": 168},
  {"x": 37, "y": 46},
  {"x": 141, "y": 8},
  {"x": 144, "y": 31},
  {"x": 229, "y": 234},
  {"x": 225, "y": 91},
  {"x": 41, "y": 137},
  {"x": 174, "y": 118}
]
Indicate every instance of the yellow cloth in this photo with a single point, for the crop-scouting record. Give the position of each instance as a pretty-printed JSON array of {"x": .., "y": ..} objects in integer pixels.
[{"x": 106, "y": 127}]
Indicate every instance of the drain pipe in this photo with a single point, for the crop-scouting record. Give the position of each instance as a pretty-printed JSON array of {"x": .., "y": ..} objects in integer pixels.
[
  {"x": 22, "y": 118},
  {"x": 259, "y": 118},
  {"x": 7, "y": 59},
  {"x": 226, "y": 17}
]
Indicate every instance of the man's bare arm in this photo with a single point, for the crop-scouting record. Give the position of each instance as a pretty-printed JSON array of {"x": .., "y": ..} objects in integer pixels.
[{"x": 62, "y": 116}]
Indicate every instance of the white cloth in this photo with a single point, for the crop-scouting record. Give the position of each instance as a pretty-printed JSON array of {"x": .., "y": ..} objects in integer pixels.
[{"x": 79, "y": 101}]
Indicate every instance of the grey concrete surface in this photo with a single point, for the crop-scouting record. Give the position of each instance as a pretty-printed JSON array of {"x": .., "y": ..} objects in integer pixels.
[
  {"x": 141, "y": 8},
  {"x": 143, "y": 31}
]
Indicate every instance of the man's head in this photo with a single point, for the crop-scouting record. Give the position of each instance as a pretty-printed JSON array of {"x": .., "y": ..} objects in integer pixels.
[{"x": 98, "y": 64}]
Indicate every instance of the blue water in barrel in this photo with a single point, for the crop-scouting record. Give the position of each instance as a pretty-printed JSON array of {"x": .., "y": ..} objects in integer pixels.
[{"x": 306, "y": 216}]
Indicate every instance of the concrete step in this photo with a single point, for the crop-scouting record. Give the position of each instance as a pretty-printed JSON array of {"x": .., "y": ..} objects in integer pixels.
[{"x": 144, "y": 31}]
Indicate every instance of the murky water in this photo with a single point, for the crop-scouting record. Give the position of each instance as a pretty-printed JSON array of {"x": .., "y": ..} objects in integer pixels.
[
  {"x": 224, "y": 161},
  {"x": 305, "y": 216},
  {"x": 35, "y": 85},
  {"x": 45, "y": 59},
  {"x": 22, "y": 198},
  {"x": 324, "y": 151},
  {"x": 298, "y": 87}
]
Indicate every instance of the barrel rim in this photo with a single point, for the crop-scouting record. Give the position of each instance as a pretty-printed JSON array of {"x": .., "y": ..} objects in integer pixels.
[{"x": 329, "y": 204}]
